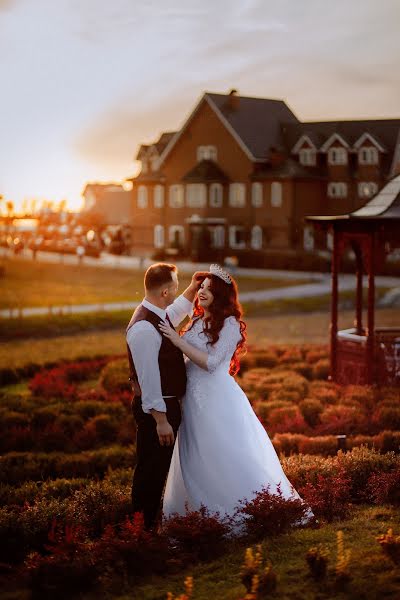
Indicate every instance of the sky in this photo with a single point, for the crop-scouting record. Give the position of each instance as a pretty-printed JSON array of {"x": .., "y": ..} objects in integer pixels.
[{"x": 85, "y": 82}]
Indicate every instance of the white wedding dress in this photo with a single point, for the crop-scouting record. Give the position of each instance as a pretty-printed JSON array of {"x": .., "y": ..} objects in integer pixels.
[{"x": 222, "y": 453}]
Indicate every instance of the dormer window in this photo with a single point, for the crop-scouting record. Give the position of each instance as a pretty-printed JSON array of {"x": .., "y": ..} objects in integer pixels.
[
  {"x": 145, "y": 166},
  {"x": 307, "y": 157},
  {"x": 337, "y": 156},
  {"x": 368, "y": 156},
  {"x": 206, "y": 153}
]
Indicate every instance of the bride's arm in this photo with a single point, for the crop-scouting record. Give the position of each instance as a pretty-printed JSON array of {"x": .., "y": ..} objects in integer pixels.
[
  {"x": 224, "y": 348},
  {"x": 197, "y": 356}
]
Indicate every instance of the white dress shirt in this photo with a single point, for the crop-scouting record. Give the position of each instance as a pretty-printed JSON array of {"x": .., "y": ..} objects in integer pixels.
[{"x": 145, "y": 342}]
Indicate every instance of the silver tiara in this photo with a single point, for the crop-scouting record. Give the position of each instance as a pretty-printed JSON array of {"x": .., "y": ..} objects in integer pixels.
[{"x": 218, "y": 272}]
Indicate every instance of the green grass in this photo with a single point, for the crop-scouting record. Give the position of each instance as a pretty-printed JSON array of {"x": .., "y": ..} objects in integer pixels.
[
  {"x": 29, "y": 283},
  {"x": 373, "y": 575},
  {"x": 347, "y": 299}
]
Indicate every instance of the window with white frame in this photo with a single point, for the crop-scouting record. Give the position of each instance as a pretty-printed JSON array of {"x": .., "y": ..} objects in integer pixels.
[
  {"x": 158, "y": 196},
  {"x": 206, "y": 153},
  {"x": 176, "y": 197},
  {"x": 196, "y": 195},
  {"x": 276, "y": 194},
  {"x": 142, "y": 196},
  {"x": 237, "y": 237},
  {"x": 307, "y": 157},
  {"x": 366, "y": 189},
  {"x": 237, "y": 195},
  {"x": 216, "y": 195},
  {"x": 217, "y": 236},
  {"x": 257, "y": 194},
  {"x": 176, "y": 235},
  {"x": 256, "y": 237},
  {"x": 368, "y": 156},
  {"x": 337, "y": 189},
  {"x": 337, "y": 156},
  {"x": 159, "y": 236},
  {"x": 308, "y": 238}
]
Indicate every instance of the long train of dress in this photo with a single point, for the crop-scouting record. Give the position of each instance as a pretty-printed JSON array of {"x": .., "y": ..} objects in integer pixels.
[{"x": 222, "y": 452}]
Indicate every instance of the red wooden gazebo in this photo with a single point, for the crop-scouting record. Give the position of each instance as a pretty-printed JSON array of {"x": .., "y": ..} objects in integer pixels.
[{"x": 365, "y": 354}]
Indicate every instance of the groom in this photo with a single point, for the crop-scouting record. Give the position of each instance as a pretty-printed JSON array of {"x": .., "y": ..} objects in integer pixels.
[{"x": 158, "y": 377}]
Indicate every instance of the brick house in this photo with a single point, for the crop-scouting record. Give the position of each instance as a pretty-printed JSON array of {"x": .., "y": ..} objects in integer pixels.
[
  {"x": 242, "y": 173},
  {"x": 110, "y": 201}
]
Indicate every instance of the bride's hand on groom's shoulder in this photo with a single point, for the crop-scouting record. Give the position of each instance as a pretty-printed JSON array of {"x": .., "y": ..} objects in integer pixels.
[{"x": 170, "y": 333}]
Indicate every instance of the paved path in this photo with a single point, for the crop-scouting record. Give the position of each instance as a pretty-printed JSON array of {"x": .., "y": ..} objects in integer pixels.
[
  {"x": 308, "y": 290},
  {"x": 321, "y": 287}
]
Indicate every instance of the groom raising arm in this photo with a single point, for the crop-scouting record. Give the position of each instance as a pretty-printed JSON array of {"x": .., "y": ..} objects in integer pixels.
[{"x": 158, "y": 377}]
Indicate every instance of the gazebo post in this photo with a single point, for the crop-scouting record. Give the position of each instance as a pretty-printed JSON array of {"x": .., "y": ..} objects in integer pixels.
[
  {"x": 359, "y": 292},
  {"x": 371, "y": 309},
  {"x": 334, "y": 304}
]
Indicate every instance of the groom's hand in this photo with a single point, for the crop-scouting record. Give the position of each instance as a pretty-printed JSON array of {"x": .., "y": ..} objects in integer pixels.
[
  {"x": 164, "y": 430},
  {"x": 198, "y": 278}
]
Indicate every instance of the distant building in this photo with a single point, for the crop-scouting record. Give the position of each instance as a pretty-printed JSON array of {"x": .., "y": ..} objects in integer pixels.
[
  {"x": 242, "y": 173},
  {"x": 110, "y": 201}
]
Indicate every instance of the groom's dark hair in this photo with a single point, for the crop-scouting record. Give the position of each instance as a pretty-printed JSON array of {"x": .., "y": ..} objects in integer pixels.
[{"x": 157, "y": 275}]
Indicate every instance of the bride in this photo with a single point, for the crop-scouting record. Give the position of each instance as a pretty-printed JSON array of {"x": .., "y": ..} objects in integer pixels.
[{"x": 222, "y": 452}]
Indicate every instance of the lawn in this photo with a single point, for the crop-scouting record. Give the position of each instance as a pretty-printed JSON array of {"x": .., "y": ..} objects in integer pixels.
[
  {"x": 263, "y": 330},
  {"x": 374, "y": 576},
  {"x": 30, "y": 283}
]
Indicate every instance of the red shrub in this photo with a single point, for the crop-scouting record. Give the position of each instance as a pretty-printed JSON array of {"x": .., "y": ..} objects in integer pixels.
[
  {"x": 384, "y": 487},
  {"x": 57, "y": 382},
  {"x": 327, "y": 393},
  {"x": 270, "y": 514},
  {"x": 321, "y": 369},
  {"x": 342, "y": 420},
  {"x": 128, "y": 549},
  {"x": 288, "y": 419},
  {"x": 199, "y": 535},
  {"x": 329, "y": 495},
  {"x": 387, "y": 417},
  {"x": 51, "y": 384}
]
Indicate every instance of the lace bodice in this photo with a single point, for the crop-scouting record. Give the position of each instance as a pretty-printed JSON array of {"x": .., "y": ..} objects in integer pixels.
[{"x": 219, "y": 354}]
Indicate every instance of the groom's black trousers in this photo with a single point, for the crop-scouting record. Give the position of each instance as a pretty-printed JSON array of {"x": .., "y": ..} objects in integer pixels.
[{"x": 153, "y": 460}]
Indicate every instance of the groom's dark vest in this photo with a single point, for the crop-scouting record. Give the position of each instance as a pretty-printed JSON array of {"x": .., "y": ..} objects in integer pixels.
[{"x": 170, "y": 359}]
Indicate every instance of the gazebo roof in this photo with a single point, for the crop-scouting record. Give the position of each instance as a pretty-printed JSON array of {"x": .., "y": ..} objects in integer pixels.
[{"x": 384, "y": 207}]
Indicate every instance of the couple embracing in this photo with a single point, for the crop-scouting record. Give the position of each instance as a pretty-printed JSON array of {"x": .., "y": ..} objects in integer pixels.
[{"x": 198, "y": 438}]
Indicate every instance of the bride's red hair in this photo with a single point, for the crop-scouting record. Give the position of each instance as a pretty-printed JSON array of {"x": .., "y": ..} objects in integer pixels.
[{"x": 225, "y": 304}]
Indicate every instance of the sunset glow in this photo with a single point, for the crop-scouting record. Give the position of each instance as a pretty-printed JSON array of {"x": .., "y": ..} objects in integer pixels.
[{"x": 88, "y": 86}]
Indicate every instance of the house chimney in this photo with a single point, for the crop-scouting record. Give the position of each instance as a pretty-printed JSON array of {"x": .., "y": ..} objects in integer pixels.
[{"x": 234, "y": 99}]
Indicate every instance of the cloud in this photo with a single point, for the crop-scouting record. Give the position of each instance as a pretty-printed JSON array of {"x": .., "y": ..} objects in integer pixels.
[{"x": 113, "y": 137}]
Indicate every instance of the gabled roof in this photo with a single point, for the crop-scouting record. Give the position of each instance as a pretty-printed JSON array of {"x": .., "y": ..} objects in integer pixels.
[
  {"x": 255, "y": 123},
  {"x": 368, "y": 137},
  {"x": 384, "y": 131},
  {"x": 335, "y": 137},
  {"x": 158, "y": 146},
  {"x": 304, "y": 138},
  {"x": 205, "y": 170},
  {"x": 164, "y": 140}
]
